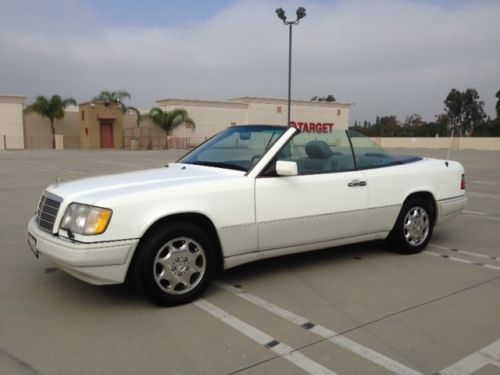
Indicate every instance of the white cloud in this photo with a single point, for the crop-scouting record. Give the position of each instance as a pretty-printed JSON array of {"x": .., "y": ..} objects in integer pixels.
[{"x": 390, "y": 57}]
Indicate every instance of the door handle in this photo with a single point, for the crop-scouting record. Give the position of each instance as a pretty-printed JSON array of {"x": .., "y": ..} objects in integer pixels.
[{"x": 355, "y": 183}]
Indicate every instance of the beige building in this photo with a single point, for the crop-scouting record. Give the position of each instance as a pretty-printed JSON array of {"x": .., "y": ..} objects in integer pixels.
[
  {"x": 94, "y": 125},
  {"x": 101, "y": 126},
  {"x": 37, "y": 129},
  {"x": 213, "y": 116},
  {"x": 11, "y": 122}
]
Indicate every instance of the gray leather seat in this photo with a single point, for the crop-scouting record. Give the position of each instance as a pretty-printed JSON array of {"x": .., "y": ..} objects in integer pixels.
[{"x": 319, "y": 158}]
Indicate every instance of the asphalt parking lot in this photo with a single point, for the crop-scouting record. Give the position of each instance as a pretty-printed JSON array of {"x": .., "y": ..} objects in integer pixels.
[{"x": 351, "y": 310}]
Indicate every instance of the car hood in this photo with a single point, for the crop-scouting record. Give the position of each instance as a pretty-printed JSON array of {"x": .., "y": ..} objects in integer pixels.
[{"x": 174, "y": 175}]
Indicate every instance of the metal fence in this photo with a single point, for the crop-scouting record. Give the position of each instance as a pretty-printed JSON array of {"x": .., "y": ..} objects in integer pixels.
[
  {"x": 38, "y": 142},
  {"x": 153, "y": 139},
  {"x": 133, "y": 139},
  {"x": 143, "y": 139},
  {"x": 12, "y": 142},
  {"x": 71, "y": 142}
]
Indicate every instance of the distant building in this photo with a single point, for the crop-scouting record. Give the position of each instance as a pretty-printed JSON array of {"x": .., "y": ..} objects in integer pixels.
[
  {"x": 101, "y": 126},
  {"x": 213, "y": 116},
  {"x": 11, "y": 122},
  {"x": 94, "y": 125}
]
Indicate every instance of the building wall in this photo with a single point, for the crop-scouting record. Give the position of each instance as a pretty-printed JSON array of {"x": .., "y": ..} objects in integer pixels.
[
  {"x": 90, "y": 115},
  {"x": 212, "y": 117},
  {"x": 11, "y": 122},
  {"x": 275, "y": 112},
  {"x": 37, "y": 129},
  {"x": 130, "y": 121},
  {"x": 458, "y": 143},
  {"x": 209, "y": 117}
]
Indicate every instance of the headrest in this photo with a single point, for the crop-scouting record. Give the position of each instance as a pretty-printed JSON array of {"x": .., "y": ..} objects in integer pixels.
[
  {"x": 285, "y": 152},
  {"x": 318, "y": 150}
]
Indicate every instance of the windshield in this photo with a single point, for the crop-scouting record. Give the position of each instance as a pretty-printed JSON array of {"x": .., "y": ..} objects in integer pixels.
[
  {"x": 239, "y": 147},
  {"x": 368, "y": 153}
]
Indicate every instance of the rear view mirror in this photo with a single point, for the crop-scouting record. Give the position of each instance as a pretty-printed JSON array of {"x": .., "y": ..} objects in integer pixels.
[
  {"x": 286, "y": 168},
  {"x": 245, "y": 136}
]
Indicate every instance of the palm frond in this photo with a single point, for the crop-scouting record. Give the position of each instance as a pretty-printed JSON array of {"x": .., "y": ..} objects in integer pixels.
[
  {"x": 121, "y": 94},
  {"x": 133, "y": 110},
  {"x": 168, "y": 121},
  {"x": 52, "y": 108},
  {"x": 69, "y": 101}
]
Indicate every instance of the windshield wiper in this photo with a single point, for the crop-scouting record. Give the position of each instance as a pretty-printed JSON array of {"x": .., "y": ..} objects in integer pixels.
[{"x": 219, "y": 165}]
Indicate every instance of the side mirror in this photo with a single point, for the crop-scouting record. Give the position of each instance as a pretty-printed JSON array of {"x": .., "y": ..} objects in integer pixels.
[{"x": 286, "y": 168}]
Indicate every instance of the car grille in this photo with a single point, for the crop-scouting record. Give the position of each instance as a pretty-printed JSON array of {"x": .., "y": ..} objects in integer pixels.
[{"x": 46, "y": 214}]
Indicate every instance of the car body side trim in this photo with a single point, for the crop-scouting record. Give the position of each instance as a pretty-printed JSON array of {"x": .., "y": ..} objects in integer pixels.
[
  {"x": 327, "y": 214},
  {"x": 233, "y": 261}
]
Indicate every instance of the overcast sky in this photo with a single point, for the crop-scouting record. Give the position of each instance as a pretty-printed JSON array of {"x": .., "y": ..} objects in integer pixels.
[{"x": 389, "y": 56}]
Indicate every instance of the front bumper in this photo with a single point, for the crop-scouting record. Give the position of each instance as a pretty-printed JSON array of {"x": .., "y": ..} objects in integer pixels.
[{"x": 96, "y": 263}]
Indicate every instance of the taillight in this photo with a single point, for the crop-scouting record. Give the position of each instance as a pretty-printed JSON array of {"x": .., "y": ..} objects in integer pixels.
[{"x": 462, "y": 184}]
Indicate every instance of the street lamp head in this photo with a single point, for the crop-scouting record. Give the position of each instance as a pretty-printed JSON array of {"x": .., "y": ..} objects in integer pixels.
[
  {"x": 301, "y": 13},
  {"x": 281, "y": 14}
]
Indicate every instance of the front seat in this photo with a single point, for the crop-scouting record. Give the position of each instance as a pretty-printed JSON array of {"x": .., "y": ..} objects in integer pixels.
[{"x": 319, "y": 158}]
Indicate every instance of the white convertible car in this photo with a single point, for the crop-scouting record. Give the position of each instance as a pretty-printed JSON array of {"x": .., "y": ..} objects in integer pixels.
[{"x": 251, "y": 192}]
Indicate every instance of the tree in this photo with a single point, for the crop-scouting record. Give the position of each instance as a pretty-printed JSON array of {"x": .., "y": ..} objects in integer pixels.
[
  {"x": 52, "y": 108},
  {"x": 117, "y": 97},
  {"x": 413, "y": 120},
  {"x": 389, "y": 125},
  {"x": 112, "y": 97},
  {"x": 473, "y": 111},
  {"x": 168, "y": 121},
  {"x": 453, "y": 108},
  {"x": 329, "y": 98},
  {"x": 464, "y": 110},
  {"x": 497, "y": 107}
]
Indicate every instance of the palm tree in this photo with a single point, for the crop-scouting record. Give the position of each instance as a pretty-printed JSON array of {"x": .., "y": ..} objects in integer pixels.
[
  {"x": 168, "y": 121},
  {"x": 110, "y": 97},
  {"x": 117, "y": 97},
  {"x": 52, "y": 108}
]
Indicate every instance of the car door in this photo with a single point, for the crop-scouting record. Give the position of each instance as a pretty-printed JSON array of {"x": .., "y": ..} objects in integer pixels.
[
  {"x": 327, "y": 200},
  {"x": 387, "y": 182}
]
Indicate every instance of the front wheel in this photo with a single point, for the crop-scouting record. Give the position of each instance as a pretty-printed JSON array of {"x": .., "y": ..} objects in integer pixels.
[
  {"x": 175, "y": 264},
  {"x": 413, "y": 229}
]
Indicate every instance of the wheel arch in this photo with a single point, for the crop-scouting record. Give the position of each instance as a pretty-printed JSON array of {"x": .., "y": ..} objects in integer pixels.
[
  {"x": 427, "y": 196},
  {"x": 195, "y": 218}
]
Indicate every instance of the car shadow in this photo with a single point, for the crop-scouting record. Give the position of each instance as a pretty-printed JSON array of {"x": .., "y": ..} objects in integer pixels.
[
  {"x": 305, "y": 260},
  {"x": 126, "y": 296}
]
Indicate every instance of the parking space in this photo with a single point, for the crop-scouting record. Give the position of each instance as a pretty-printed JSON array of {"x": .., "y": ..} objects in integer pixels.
[{"x": 349, "y": 310}]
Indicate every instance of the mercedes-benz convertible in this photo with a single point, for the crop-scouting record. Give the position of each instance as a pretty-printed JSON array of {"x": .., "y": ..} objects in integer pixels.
[{"x": 250, "y": 192}]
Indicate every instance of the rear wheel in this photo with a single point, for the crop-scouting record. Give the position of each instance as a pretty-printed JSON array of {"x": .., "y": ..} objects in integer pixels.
[
  {"x": 175, "y": 264},
  {"x": 413, "y": 229}
]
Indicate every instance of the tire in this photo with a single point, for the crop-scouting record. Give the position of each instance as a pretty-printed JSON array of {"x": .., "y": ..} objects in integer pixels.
[
  {"x": 413, "y": 229},
  {"x": 175, "y": 264}
]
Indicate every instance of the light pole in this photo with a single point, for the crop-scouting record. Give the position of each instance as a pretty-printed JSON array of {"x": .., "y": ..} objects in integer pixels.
[{"x": 301, "y": 13}]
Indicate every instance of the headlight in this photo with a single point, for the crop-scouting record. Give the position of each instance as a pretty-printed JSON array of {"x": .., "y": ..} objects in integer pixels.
[{"x": 85, "y": 219}]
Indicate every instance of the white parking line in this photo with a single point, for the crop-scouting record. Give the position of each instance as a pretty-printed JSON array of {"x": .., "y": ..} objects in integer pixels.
[
  {"x": 479, "y": 255},
  {"x": 482, "y": 195},
  {"x": 475, "y": 213},
  {"x": 482, "y": 215},
  {"x": 489, "y": 355},
  {"x": 489, "y": 266},
  {"x": 493, "y": 183},
  {"x": 283, "y": 350},
  {"x": 321, "y": 331}
]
